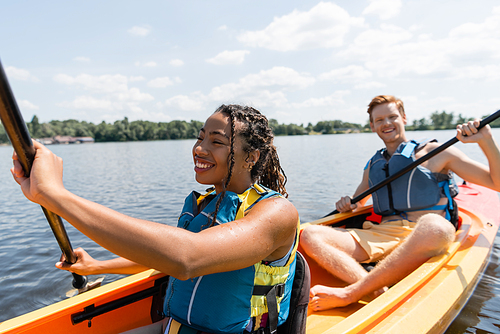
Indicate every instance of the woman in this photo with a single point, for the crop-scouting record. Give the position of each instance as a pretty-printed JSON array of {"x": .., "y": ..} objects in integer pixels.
[{"x": 239, "y": 235}]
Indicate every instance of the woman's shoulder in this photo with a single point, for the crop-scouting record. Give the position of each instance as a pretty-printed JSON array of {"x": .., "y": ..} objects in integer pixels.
[{"x": 276, "y": 207}]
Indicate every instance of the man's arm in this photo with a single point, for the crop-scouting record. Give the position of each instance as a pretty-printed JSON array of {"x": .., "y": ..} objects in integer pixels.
[
  {"x": 345, "y": 205},
  {"x": 470, "y": 170}
]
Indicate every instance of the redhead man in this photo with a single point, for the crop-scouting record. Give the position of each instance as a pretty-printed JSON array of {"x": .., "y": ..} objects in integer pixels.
[{"x": 418, "y": 211}]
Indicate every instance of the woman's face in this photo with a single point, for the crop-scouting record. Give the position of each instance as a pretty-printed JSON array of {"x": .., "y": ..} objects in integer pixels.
[{"x": 211, "y": 154}]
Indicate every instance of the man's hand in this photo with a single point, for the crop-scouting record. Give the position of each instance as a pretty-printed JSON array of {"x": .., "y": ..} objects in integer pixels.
[{"x": 345, "y": 205}]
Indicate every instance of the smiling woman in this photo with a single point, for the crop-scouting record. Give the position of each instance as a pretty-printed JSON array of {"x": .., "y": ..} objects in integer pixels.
[{"x": 237, "y": 242}]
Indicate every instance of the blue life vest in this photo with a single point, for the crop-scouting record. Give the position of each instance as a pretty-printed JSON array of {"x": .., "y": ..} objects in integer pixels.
[
  {"x": 419, "y": 189},
  {"x": 230, "y": 302}
]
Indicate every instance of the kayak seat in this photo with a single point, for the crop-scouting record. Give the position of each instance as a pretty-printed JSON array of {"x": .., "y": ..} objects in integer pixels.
[{"x": 299, "y": 300}]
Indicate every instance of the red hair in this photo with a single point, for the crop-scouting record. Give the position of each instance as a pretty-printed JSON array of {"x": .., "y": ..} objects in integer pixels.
[{"x": 383, "y": 99}]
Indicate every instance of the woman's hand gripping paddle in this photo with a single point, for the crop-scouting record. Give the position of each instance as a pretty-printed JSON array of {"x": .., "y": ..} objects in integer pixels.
[{"x": 16, "y": 129}]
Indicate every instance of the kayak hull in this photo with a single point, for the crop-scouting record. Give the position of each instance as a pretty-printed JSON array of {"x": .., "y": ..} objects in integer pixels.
[{"x": 426, "y": 301}]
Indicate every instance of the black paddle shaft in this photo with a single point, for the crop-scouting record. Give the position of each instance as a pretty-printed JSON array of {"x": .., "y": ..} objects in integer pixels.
[
  {"x": 16, "y": 130},
  {"x": 417, "y": 162}
]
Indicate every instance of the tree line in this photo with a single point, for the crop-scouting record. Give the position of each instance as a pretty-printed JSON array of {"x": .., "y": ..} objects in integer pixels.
[{"x": 123, "y": 130}]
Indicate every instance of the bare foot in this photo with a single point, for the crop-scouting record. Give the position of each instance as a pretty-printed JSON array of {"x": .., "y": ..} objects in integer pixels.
[{"x": 323, "y": 297}]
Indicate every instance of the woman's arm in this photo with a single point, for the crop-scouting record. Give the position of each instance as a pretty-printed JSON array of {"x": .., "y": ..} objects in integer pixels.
[
  {"x": 265, "y": 232},
  {"x": 87, "y": 265}
]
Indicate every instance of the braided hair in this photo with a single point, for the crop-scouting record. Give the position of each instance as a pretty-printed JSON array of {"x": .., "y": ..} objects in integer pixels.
[{"x": 256, "y": 134}]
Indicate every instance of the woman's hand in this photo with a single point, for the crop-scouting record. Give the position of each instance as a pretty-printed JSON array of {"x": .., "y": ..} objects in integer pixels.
[
  {"x": 84, "y": 265},
  {"x": 45, "y": 176},
  {"x": 87, "y": 265},
  {"x": 345, "y": 205}
]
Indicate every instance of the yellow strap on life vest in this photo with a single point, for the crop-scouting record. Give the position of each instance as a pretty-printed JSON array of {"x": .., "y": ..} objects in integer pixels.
[{"x": 269, "y": 275}]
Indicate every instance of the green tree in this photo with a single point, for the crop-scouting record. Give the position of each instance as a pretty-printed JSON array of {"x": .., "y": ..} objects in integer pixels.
[
  {"x": 3, "y": 135},
  {"x": 442, "y": 120},
  {"x": 309, "y": 127},
  {"x": 34, "y": 127},
  {"x": 461, "y": 119},
  {"x": 421, "y": 124}
]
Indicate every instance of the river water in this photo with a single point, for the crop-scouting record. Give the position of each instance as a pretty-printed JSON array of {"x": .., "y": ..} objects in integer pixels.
[{"x": 150, "y": 180}]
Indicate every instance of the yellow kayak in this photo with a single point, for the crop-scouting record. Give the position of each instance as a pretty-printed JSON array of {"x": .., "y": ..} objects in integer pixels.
[{"x": 426, "y": 301}]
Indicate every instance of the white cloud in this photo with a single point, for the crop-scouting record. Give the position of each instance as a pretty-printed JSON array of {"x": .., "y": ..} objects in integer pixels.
[
  {"x": 415, "y": 27},
  {"x": 222, "y": 28},
  {"x": 114, "y": 91},
  {"x": 277, "y": 77},
  {"x": 137, "y": 78},
  {"x": 160, "y": 82},
  {"x": 89, "y": 102},
  {"x": 146, "y": 64},
  {"x": 351, "y": 73},
  {"x": 327, "y": 101},
  {"x": 369, "y": 85},
  {"x": 388, "y": 34},
  {"x": 196, "y": 102},
  {"x": 82, "y": 59},
  {"x": 140, "y": 30},
  {"x": 24, "y": 104},
  {"x": 159, "y": 116},
  {"x": 262, "y": 89},
  {"x": 229, "y": 57},
  {"x": 324, "y": 26},
  {"x": 266, "y": 98},
  {"x": 101, "y": 84},
  {"x": 120, "y": 101},
  {"x": 384, "y": 9},
  {"x": 478, "y": 41},
  {"x": 134, "y": 94},
  {"x": 20, "y": 74},
  {"x": 391, "y": 51},
  {"x": 478, "y": 72},
  {"x": 176, "y": 62},
  {"x": 487, "y": 29}
]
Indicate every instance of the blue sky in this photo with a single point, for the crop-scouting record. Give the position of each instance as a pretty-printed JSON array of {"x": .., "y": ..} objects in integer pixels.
[{"x": 296, "y": 61}]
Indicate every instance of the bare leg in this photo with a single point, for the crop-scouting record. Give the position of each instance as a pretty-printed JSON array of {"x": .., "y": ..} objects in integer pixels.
[
  {"x": 432, "y": 236},
  {"x": 335, "y": 250}
]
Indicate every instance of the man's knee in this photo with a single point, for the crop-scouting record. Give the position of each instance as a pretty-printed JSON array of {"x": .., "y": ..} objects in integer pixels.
[
  {"x": 311, "y": 235},
  {"x": 434, "y": 233}
]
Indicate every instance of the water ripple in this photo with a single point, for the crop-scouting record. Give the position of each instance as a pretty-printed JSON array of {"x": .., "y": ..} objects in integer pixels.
[{"x": 150, "y": 180}]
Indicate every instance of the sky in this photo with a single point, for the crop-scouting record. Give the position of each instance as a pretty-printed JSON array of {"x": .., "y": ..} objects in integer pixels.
[{"x": 296, "y": 61}]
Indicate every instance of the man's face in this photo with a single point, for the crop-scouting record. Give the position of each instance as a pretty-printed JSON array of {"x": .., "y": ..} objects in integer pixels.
[{"x": 388, "y": 123}]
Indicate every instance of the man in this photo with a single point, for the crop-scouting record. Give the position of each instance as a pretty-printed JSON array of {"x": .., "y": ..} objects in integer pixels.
[{"x": 412, "y": 230}]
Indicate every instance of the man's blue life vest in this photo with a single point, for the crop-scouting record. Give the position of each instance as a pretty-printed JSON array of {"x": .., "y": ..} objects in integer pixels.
[
  {"x": 419, "y": 189},
  {"x": 234, "y": 301}
]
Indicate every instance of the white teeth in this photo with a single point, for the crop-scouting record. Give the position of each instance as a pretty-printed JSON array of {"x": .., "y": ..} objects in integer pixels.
[{"x": 200, "y": 165}]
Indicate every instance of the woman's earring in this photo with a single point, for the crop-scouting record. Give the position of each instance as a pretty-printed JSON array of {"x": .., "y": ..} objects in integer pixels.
[{"x": 251, "y": 165}]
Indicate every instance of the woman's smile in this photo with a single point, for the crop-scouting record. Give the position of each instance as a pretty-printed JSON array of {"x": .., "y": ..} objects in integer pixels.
[{"x": 201, "y": 165}]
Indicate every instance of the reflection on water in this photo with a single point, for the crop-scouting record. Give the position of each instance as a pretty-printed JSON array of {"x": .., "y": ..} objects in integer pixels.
[{"x": 150, "y": 180}]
